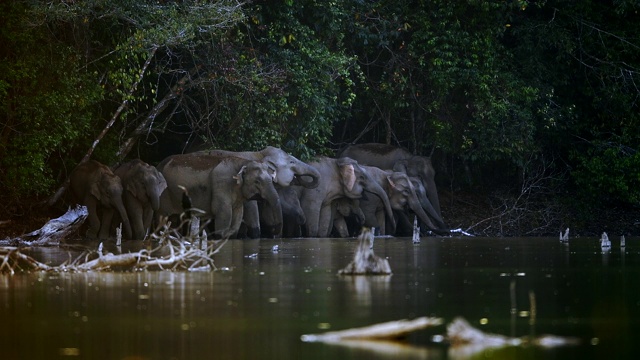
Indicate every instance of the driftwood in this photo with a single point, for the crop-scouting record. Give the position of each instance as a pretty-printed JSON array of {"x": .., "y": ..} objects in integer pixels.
[
  {"x": 389, "y": 330},
  {"x": 54, "y": 231},
  {"x": 466, "y": 341},
  {"x": 172, "y": 251},
  {"x": 365, "y": 262},
  {"x": 564, "y": 237}
]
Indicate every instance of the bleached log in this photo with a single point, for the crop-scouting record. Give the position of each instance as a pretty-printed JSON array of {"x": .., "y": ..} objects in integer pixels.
[
  {"x": 54, "y": 231},
  {"x": 388, "y": 330}
]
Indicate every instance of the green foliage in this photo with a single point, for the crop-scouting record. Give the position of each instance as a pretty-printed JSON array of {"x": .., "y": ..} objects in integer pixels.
[
  {"x": 488, "y": 84},
  {"x": 609, "y": 173},
  {"x": 47, "y": 105}
]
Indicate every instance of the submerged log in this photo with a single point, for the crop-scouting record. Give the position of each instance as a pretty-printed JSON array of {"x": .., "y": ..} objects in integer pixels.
[
  {"x": 467, "y": 341},
  {"x": 365, "y": 262},
  {"x": 383, "y": 331}
]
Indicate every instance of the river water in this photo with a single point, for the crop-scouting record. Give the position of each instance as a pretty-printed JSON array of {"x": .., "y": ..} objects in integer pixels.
[{"x": 258, "y": 306}]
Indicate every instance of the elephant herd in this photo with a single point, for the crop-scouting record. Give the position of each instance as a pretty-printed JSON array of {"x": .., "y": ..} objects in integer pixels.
[{"x": 266, "y": 193}]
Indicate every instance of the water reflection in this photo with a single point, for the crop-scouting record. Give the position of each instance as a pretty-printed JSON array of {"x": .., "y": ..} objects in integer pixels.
[{"x": 258, "y": 307}]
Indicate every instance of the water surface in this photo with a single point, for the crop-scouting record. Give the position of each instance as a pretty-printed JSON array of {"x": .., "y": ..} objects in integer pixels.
[{"x": 257, "y": 307}]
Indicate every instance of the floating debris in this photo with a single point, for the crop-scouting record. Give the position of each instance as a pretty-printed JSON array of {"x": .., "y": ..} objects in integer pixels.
[
  {"x": 460, "y": 231},
  {"x": 623, "y": 242},
  {"x": 252, "y": 256},
  {"x": 416, "y": 231},
  {"x": 565, "y": 237},
  {"x": 605, "y": 243},
  {"x": 388, "y": 330},
  {"x": 275, "y": 248},
  {"x": 466, "y": 341},
  {"x": 365, "y": 262}
]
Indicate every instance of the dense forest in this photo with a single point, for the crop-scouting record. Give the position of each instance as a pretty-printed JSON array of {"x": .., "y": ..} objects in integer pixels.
[{"x": 530, "y": 108}]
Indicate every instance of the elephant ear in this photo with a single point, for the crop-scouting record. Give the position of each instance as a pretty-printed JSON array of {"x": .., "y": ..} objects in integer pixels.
[
  {"x": 391, "y": 182},
  {"x": 95, "y": 190},
  {"x": 272, "y": 170},
  {"x": 239, "y": 176},
  {"x": 347, "y": 172}
]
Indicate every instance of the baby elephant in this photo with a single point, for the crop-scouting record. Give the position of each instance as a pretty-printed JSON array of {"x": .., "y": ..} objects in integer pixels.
[
  {"x": 142, "y": 185},
  {"x": 94, "y": 185}
]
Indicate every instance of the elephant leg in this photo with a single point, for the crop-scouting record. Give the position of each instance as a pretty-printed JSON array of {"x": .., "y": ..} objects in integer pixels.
[
  {"x": 325, "y": 221},
  {"x": 94, "y": 221},
  {"x": 147, "y": 214},
  {"x": 224, "y": 213},
  {"x": 252, "y": 219},
  {"x": 380, "y": 219},
  {"x": 136, "y": 214},
  {"x": 105, "y": 226},
  {"x": 236, "y": 220},
  {"x": 340, "y": 225}
]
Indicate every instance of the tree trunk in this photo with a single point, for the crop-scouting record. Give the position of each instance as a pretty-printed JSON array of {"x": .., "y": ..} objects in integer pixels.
[{"x": 106, "y": 129}]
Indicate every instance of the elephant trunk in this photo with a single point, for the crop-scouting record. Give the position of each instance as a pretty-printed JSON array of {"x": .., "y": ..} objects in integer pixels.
[
  {"x": 416, "y": 207},
  {"x": 377, "y": 190},
  {"x": 154, "y": 190},
  {"x": 307, "y": 171},
  {"x": 431, "y": 211},
  {"x": 272, "y": 198},
  {"x": 432, "y": 193},
  {"x": 125, "y": 219}
]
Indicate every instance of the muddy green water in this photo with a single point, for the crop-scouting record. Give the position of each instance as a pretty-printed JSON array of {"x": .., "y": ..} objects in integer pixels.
[{"x": 258, "y": 307}]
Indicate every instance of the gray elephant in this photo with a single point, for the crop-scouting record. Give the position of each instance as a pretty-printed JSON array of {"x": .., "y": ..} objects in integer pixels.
[
  {"x": 388, "y": 157},
  {"x": 339, "y": 178},
  {"x": 292, "y": 215},
  {"x": 347, "y": 208},
  {"x": 289, "y": 171},
  {"x": 142, "y": 185},
  {"x": 94, "y": 185},
  {"x": 217, "y": 186},
  {"x": 402, "y": 197}
]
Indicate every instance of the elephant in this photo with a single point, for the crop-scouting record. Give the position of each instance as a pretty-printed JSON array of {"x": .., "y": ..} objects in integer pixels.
[
  {"x": 289, "y": 170},
  {"x": 292, "y": 214},
  {"x": 94, "y": 185},
  {"x": 218, "y": 187},
  {"x": 142, "y": 185},
  {"x": 339, "y": 178},
  {"x": 402, "y": 197},
  {"x": 388, "y": 157},
  {"x": 347, "y": 208}
]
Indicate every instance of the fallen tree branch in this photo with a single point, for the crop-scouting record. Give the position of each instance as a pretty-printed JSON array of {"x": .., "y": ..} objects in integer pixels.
[
  {"x": 173, "y": 252},
  {"x": 54, "y": 231},
  {"x": 388, "y": 330}
]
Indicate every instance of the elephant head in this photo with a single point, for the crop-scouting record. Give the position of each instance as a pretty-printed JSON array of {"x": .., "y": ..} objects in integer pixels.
[
  {"x": 289, "y": 170},
  {"x": 421, "y": 167},
  {"x": 403, "y": 196},
  {"x": 356, "y": 179},
  {"x": 256, "y": 182},
  {"x": 421, "y": 193}
]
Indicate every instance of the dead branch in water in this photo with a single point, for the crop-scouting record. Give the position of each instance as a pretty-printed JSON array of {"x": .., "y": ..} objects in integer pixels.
[
  {"x": 54, "y": 231},
  {"x": 171, "y": 252},
  {"x": 388, "y": 330},
  {"x": 365, "y": 262}
]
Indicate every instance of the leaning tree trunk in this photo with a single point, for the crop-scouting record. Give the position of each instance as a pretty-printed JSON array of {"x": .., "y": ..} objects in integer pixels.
[{"x": 106, "y": 129}]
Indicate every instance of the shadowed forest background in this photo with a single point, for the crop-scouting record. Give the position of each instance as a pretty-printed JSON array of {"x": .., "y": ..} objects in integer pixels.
[{"x": 529, "y": 109}]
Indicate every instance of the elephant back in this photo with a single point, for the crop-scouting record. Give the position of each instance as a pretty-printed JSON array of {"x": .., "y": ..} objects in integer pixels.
[{"x": 383, "y": 156}]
